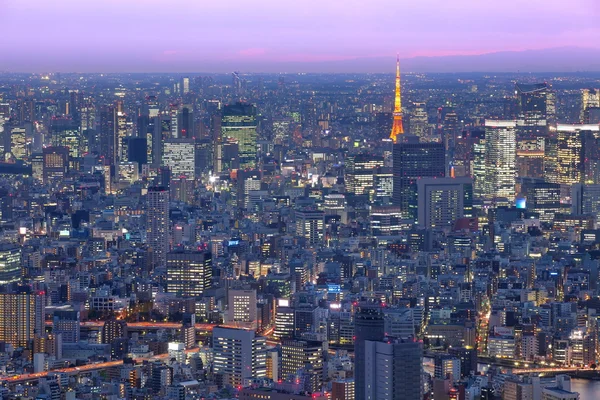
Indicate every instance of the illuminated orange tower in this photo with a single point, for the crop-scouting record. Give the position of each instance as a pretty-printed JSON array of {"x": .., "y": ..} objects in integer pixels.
[{"x": 397, "y": 127}]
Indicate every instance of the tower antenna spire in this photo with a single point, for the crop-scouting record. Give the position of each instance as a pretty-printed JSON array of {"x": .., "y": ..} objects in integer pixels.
[{"x": 398, "y": 126}]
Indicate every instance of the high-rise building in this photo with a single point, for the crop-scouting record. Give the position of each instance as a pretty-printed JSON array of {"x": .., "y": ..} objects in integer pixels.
[
  {"x": 500, "y": 158},
  {"x": 21, "y": 316},
  {"x": 67, "y": 323},
  {"x": 585, "y": 200},
  {"x": 536, "y": 107},
  {"x": 418, "y": 119},
  {"x": 113, "y": 329},
  {"x": 395, "y": 370},
  {"x": 238, "y": 354},
  {"x": 590, "y": 100},
  {"x": 56, "y": 163},
  {"x": 179, "y": 155},
  {"x": 157, "y": 224},
  {"x": 304, "y": 355},
  {"x": 189, "y": 273},
  {"x": 530, "y": 156},
  {"x": 284, "y": 323},
  {"x": 310, "y": 225},
  {"x": 444, "y": 200},
  {"x": 413, "y": 161},
  {"x": 368, "y": 327},
  {"x": 137, "y": 151},
  {"x": 573, "y": 154},
  {"x": 542, "y": 198},
  {"x": 242, "y": 307},
  {"x": 360, "y": 172},
  {"x": 342, "y": 389},
  {"x": 447, "y": 367},
  {"x": 10, "y": 263},
  {"x": 397, "y": 126},
  {"x": 239, "y": 124}
]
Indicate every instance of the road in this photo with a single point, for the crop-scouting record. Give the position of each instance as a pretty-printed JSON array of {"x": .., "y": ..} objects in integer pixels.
[{"x": 82, "y": 368}]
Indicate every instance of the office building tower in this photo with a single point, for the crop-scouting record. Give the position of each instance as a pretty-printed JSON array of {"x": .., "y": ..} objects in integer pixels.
[
  {"x": 360, "y": 173},
  {"x": 160, "y": 376},
  {"x": 305, "y": 356},
  {"x": 395, "y": 370},
  {"x": 189, "y": 273},
  {"x": 468, "y": 359},
  {"x": 284, "y": 322},
  {"x": 442, "y": 201},
  {"x": 185, "y": 85},
  {"x": 386, "y": 220},
  {"x": 310, "y": 225},
  {"x": 418, "y": 119},
  {"x": 247, "y": 182},
  {"x": 383, "y": 182},
  {"x": 137, "y": 151},
  {"x": 67, "y": 323},
  {"x": 242, "y": 309},
  {"x": 590, "y": 101},
  {"x": 447, "y": 367},
  {"x": 157, "y": 224},
  {"x": 107, "y": 133},
  {"x": 500, "y": 157},
  {"x": 10, "y": 263},
  {"x": 530, "y": 156},
  {"x": 342, "y": 389},
  {"x": 238, "y": 354},
  {"x": 65, "y": 133},
  {"x": 585, "y": 200},
  {"x": 21, "y": 316},
  {"x": 450, "y": 130},
  {"x": 112, "y": 330},
  {"x": 397, "y": 125},
  {"x": 542, "y": 198},
  {"x": 186, "y": 122},
  {"x": 368, "y": 327},
  {"x": 18, "y": 143},
  {"x": 179, "y": 155},
  {"x": 239, "y": 124},
  {"x": 273, "y": 368},
  {"x": 413, "y": 161},
  {"x": 56, "y": 163},
  {"x": 535, "y": 108},
  {"x": 572, "y": 154}
]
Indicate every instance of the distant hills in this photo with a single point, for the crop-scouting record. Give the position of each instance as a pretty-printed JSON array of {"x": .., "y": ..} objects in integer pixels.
[{"x": 562, "y": 59}]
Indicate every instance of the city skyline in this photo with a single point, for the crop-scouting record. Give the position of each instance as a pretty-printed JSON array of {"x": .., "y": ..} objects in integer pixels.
[{"x": 271, "y": 37}]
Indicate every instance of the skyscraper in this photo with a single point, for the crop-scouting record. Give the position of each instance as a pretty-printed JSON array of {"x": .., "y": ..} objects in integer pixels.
[
  {"x": 189, "y": 273},
  {"x": 395, "y": 370},
  {"x": 500, "y": 160},
  {"x": 157, "y": 224},
  {"x": 21, "y": 316},
  {"x": 305, "y": 355},
  {"x": 368, "y": 326},
  {"x": 10, "y": 263},
  {"x": 397, "y": 126},
  {"x": 67, "y": 323},
  {"x": 573, "y": 158},
  {"x": 360, "y": 172},
  {"x": 239, "y": 124},
  {"x": 443, "y": 201},
  {"x": 238, "y": 354},
  {"x": 179, "y": 155},
  {"x": 310, "y": 225},
  {"x": 412, "y": 161},
  {"x": 590, "y": 99},
  {"x": 535, "y": 109}
]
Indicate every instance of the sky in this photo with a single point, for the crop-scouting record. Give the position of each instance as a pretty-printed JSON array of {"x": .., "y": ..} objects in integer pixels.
[{"x": 256, "y": 35}]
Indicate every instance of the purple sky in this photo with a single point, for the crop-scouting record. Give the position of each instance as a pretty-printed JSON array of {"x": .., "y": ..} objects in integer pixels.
[{"x": 205, "y": 35}]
